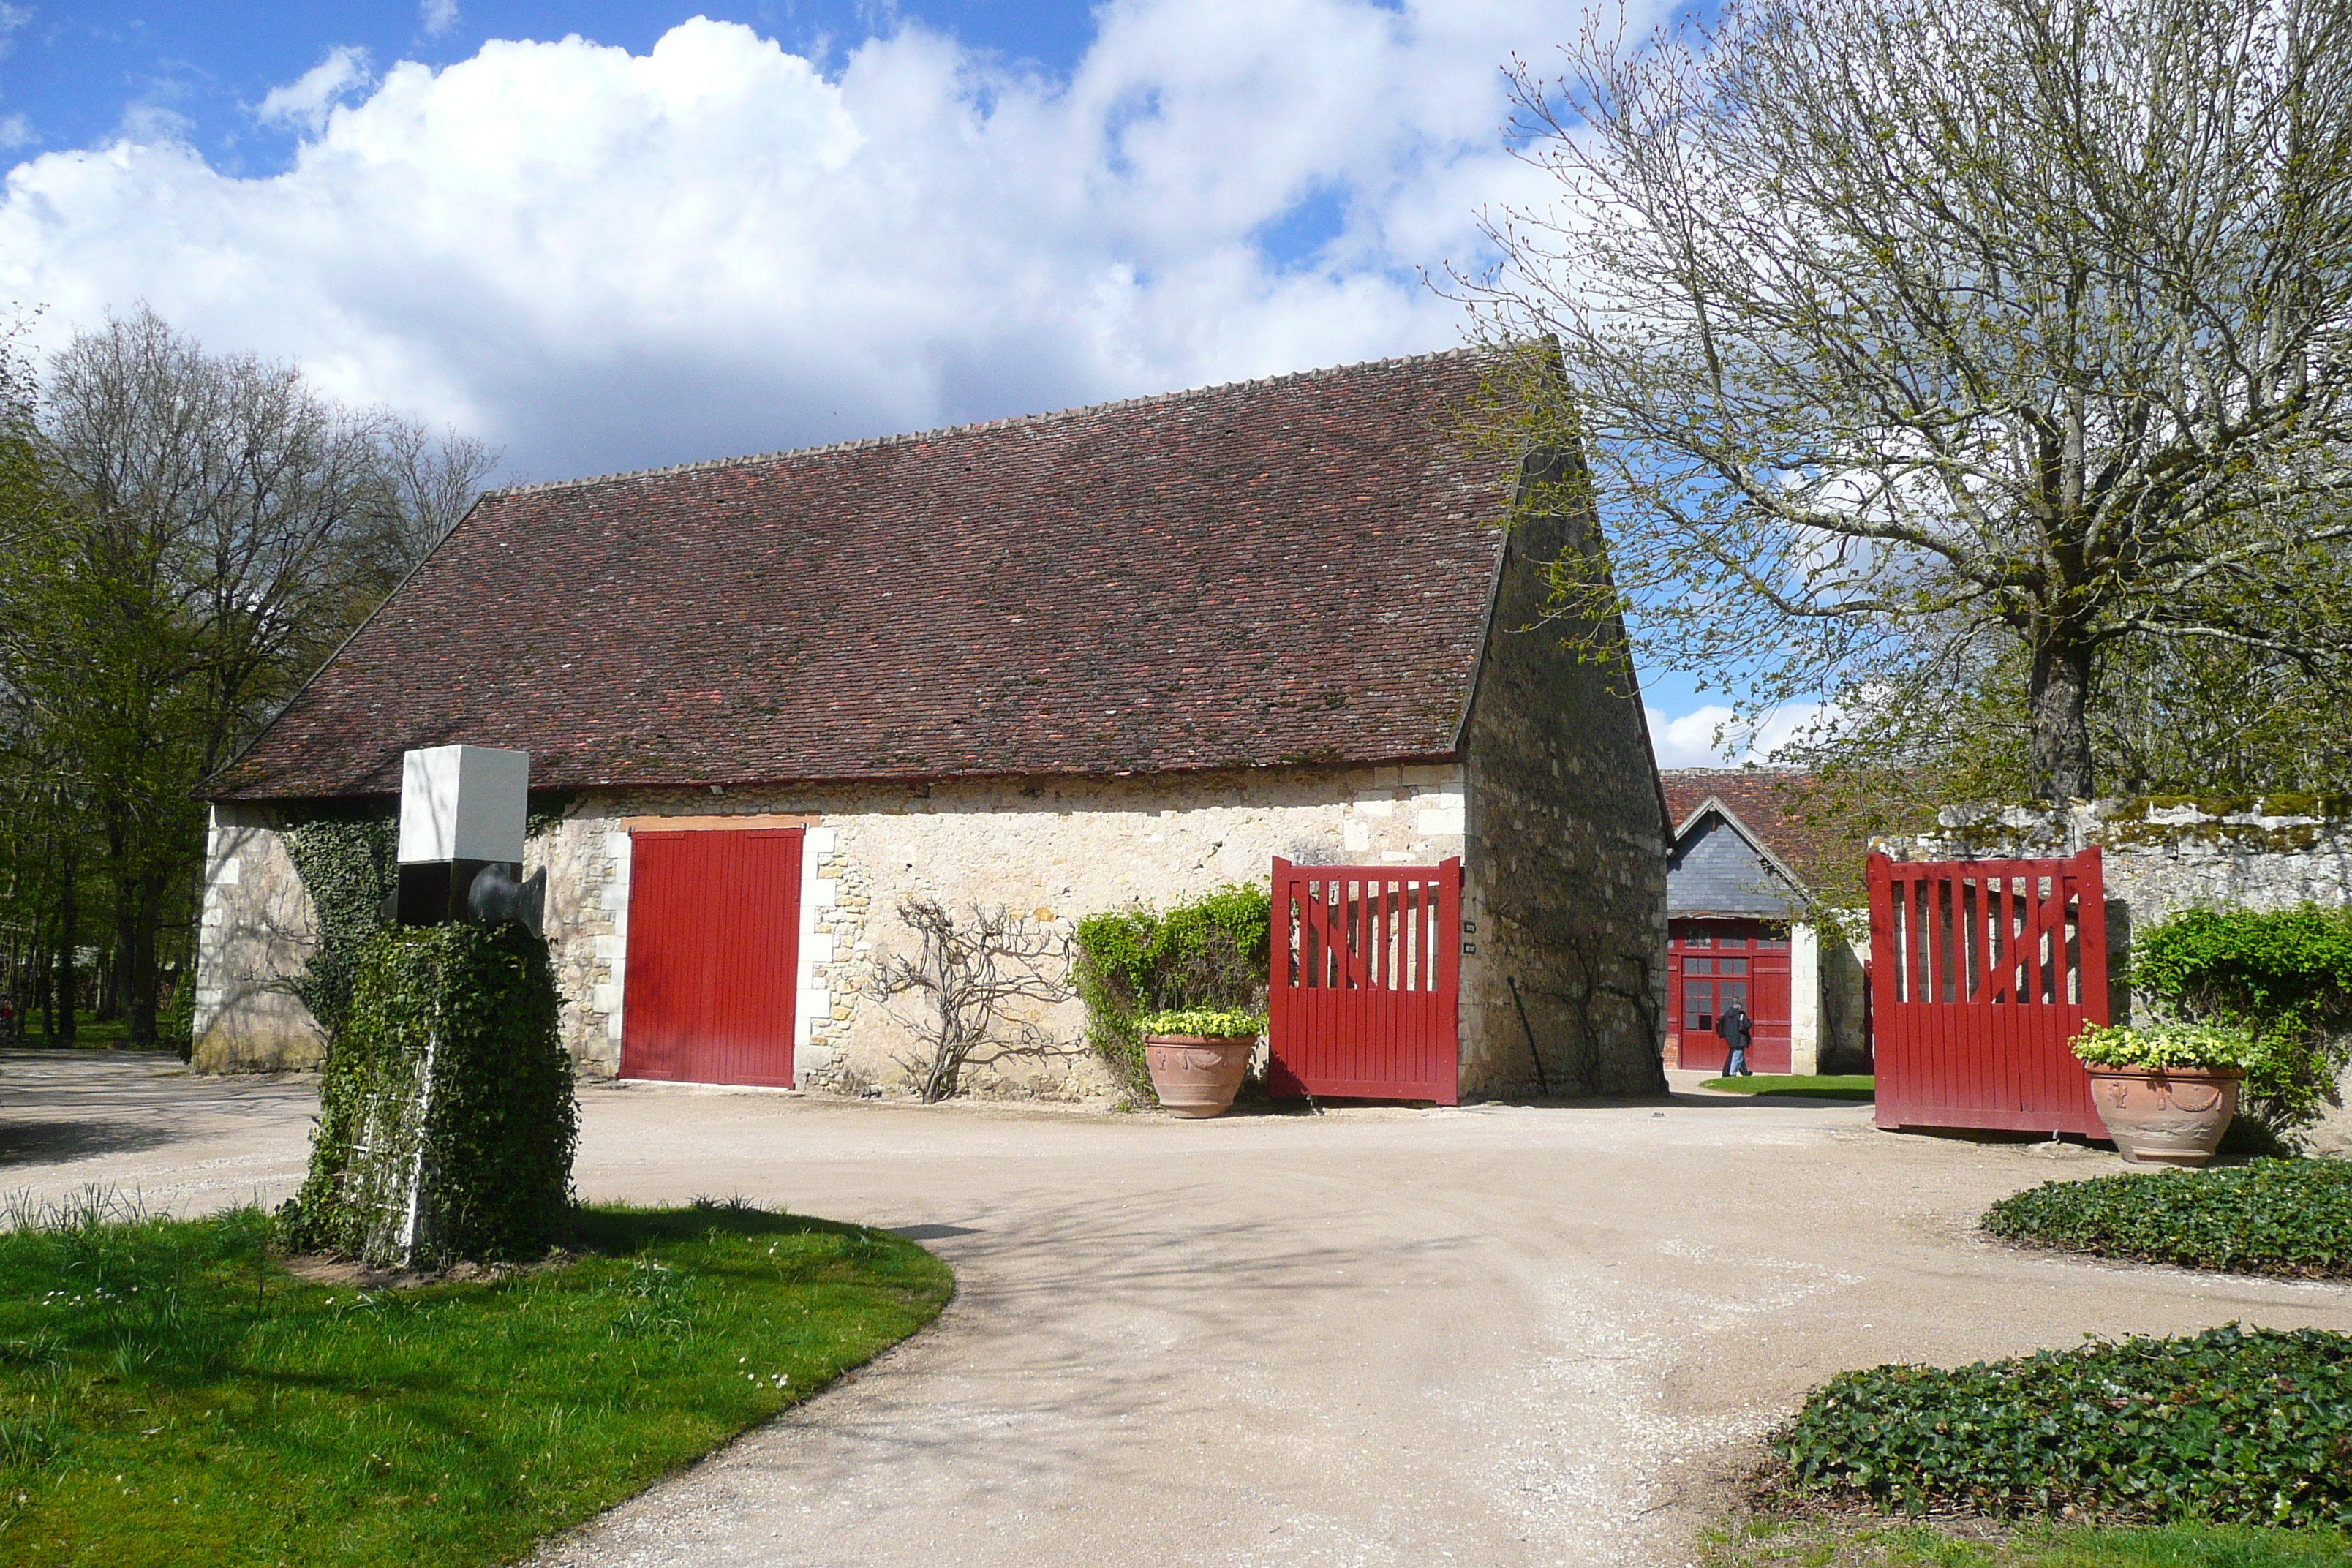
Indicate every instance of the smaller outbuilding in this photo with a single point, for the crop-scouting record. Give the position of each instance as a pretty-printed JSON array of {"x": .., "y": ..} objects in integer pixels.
[{"x": 1758, "y": 898}]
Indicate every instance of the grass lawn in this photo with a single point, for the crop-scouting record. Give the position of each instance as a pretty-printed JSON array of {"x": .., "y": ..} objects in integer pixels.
[
  {"x": 1812, "y": 1086},
  {"x": 169, "y": 1393},
  {"x": 90, "y": 1034},
  {"x": 1769, "y": 1542}
]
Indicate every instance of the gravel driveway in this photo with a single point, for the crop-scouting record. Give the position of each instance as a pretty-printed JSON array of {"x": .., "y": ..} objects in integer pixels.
[{"x": 1485, "y": 1336}]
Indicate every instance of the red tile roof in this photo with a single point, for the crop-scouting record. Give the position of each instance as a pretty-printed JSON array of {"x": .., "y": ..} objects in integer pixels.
[{"x": 1269, "y": 572}]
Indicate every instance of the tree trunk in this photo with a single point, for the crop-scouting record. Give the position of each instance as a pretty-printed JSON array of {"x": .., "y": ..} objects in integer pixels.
[
  {"x": 2058, "y": 758},
  {"x": 68, "y": 927},
  {"x": 141, "y": 992}
]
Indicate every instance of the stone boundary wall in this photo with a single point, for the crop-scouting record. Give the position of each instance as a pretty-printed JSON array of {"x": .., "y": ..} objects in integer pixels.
[
  {"x": 2163, "y": 855},
  {"x": 1059, "y": 849}
]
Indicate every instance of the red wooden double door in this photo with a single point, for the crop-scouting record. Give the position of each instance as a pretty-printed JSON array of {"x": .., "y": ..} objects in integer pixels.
[
  {"x": 1710, "y": 965},
  {"x": 1363, "y": 1000},
  {"x": 713, "y": 950},
  {"x": 1981, "y": 972}
]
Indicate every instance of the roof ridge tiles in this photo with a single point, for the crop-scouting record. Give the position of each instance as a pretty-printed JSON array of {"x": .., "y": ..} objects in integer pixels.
[{"x": 863, "y": 443}]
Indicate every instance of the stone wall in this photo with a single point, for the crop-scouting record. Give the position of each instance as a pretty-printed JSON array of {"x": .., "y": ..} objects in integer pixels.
[
  {"x": 1059, "y": 849},
  {"x": 2161, "y": 855},
  {"x": 256, "y": 932},
  {"x": 1565, "y": 896}
]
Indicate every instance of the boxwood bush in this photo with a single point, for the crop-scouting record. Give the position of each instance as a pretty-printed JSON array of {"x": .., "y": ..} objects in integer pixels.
[
  {"x": 2237, "y": 1426},
  {"x": 2269, "y": 1216}
]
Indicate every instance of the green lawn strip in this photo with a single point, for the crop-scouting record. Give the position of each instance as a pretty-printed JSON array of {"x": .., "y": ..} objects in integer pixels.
[
  {"x": 1769, "y": 1542},
  {"x": 1813, "y": 1086},
  {"x": 2291, "y": 1217},
  {"x": 169, "y": 1395}
]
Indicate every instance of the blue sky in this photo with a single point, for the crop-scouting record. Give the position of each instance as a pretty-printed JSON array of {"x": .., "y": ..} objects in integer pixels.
[{"x": 604, "y": 235}]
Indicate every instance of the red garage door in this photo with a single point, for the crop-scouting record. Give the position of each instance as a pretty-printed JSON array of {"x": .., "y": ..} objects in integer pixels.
[
  {"x": 1710, "y": 963},
  {"x": 714, "y": 923}
]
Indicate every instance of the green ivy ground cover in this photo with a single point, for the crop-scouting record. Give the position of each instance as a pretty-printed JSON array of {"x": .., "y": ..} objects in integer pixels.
[
  {"x": 169, "y": 1395},
  {"x": 2291, "y": 1217},
  {"x": 2234, "y": 1426}
]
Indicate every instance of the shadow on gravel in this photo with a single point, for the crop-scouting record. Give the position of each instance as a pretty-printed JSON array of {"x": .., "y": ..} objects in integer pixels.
[{"x": 54, "y": 1143}]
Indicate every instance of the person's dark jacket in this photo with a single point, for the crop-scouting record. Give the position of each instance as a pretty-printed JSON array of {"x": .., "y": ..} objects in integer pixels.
[{"x": 1733, "y": 1027}]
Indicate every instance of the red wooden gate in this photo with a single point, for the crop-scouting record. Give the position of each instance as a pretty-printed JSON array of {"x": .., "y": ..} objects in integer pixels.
[
  {"x": 1710, "y": 963},
  {"x": 714, "y": 939},
  {"x": 1366, "y": 981},
  {"x": 1981, "y": 973}
]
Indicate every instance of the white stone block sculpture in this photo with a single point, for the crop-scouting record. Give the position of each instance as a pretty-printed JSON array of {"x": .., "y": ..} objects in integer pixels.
[{"x": 464, "y": 802}]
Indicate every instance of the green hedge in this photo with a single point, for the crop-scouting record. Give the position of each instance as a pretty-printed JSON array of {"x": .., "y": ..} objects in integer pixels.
[
  {"x": 2284, "y": 975},
  {"x": 1210, "y": 953},
  {"x": 2248, "y": 1426},
  {"x": 2269, "y": 1216},
  {"x": 448, "y": 1063}
]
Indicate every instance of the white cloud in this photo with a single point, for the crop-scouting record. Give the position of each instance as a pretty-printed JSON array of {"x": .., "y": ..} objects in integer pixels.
[
  {"x": 601, "y": 260},
  {"x": 1705, "y": 737},
  {"x": 310, "y": 98},
  {"x": 15, "y": 131},
  {"x": 439, "y": 15}
]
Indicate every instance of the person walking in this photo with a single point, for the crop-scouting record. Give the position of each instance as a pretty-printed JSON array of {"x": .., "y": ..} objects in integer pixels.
[{"x": 1733, "y": 1029}]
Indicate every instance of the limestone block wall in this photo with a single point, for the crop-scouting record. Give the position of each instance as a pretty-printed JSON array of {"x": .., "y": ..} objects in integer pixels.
[
  {"x": 257, "y": 930},
  {"x": 1058, "y": 849},
  {"x": 1565, "y": 899}
]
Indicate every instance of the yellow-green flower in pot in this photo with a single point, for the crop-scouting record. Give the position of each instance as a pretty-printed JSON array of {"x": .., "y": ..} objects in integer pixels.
[
  {"x": 1198, "y": 1057},
  {"x": 2166, "y": 1092}
]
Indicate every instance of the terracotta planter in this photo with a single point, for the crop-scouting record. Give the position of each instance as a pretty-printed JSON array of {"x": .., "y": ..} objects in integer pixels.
[
  {"x": 1197, "y": 1075},
  {"x": 2166, "y": 1116}
]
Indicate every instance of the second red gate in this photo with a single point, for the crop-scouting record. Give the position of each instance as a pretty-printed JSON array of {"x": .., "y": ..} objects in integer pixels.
[
  {"x": 1981, "y": 972},
  {"x": 1365, "y": 982}
]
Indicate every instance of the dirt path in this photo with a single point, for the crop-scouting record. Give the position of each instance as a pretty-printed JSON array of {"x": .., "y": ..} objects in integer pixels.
[{"x": 1493, "y": 1336}]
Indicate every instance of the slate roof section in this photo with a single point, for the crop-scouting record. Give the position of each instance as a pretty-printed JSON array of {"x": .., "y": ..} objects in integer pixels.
[{"x": 1295, "y": 570}]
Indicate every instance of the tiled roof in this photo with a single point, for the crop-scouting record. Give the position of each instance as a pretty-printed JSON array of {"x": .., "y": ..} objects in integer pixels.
[
  {"x": 1768, "y": 803},
  {"x": 1275, "y": 572}
]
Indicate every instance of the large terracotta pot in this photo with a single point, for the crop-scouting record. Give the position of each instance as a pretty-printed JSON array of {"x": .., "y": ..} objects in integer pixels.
[
  {"x": 1197, "y": 1075},
  {"x": 2166, "y": 1116}
]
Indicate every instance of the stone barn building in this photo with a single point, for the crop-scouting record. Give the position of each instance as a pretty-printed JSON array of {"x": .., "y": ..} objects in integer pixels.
[{"x": 1057, "y": 663}]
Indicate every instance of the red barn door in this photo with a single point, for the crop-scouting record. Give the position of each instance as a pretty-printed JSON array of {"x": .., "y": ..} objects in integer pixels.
[
  {"x": 1710, "y": 963},
  {"x": 714, "y": 938}
]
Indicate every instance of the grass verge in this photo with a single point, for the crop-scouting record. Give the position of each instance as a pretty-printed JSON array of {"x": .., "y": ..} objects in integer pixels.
[
  {"x": 2291, "y": 1217},
  {"x": 1811, "y": 1086},
  {"x": 170, "y": 1394},
  {"x": 1878, "y": 1542}
]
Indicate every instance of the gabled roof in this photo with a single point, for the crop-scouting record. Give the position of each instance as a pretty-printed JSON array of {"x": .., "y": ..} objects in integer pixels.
[
  {"x": 1763, "y": 804},
  {"x": 1277, "y": 572}
]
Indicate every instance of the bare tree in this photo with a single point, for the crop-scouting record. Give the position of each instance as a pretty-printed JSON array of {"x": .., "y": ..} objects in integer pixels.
[
  {"x": 1900, "y": 329},
  {"x": 981, "y": 976}
]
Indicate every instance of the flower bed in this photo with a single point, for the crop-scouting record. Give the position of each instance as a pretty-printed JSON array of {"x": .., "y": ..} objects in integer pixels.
[
  {"x": 2249, "y": 1427},
  {"x": 2291, "y": 1217}
]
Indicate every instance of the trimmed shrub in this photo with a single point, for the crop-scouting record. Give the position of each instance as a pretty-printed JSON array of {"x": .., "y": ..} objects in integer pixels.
[
  {"x": 2291, "y": 1217},
  {"x": 1209, "y": 1023},
  {"x": 1210, "y": 953},
  {"x": 2285, "y": 976},
  {"x": 446, "y": 1119},
  {"x": 2236, "y": 1426}
]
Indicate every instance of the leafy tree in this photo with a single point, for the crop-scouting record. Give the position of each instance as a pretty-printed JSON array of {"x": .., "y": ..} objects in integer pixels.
[
  {"x": 211, "y": 529},
  {"x": 1912, "y": 339}
]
